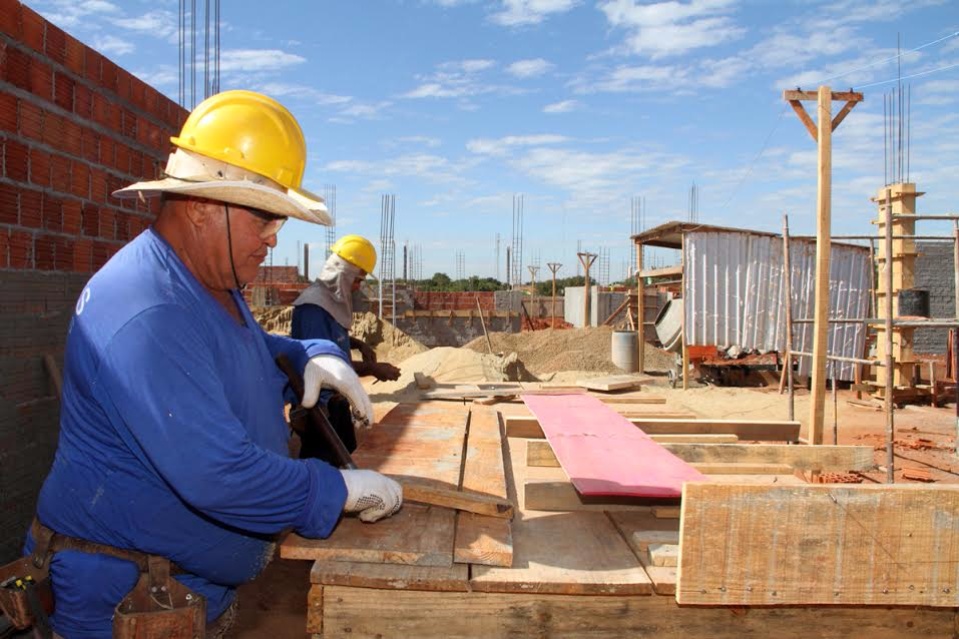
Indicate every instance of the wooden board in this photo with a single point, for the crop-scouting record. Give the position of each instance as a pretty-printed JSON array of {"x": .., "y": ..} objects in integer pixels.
[
  {"x": 568, "y": 553},
  {"x": 416, "y": 535},
  {"x": 719, "y": 468},
  {"x": 598, "y": 449},
  {"x": 820, "y": 544},
  {"x": 561, "y": 496},
  {"x": 366, "y": 613},
  {"x": 800, "y": 457},
  {"x": 480, "y": 539},
  {"x": 391, "y": 576},
  {"x": 746, "y": 430},
  {"x": 630, "y": 400},
  {"x": 611, "y": 383},
  {"x": 638, "y": 529}
]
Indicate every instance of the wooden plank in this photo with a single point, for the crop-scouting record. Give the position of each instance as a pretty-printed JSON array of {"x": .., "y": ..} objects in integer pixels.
[
  {"x": 663, "y": 555},
  {"x": 453, "y": 578},
  {"x": 314, "y": 611},
  {"x": 666, "y": 512},
  {"x": 611, "y": 383},
  {"x": 641, "y": 529},
  {"x": 695, "y": 439},
  {"x": 796, "y": 94},
  {"x": 416, "y": 536},
  {"x": 560, "y": 495},
  {"x": 800, "y": 457},
  {"x": 436, "y": 494},
  {"x": 598, "y": 449},
  {"x": 743, "y": 469},
  {"x": 747, "y": 430},
  {"x": 484, "y": 540},
  {"x": 820, "y": 544},
  {"x": 569, "y": 553},
  {"x": 622, "y": 399},
  {"x": 367, "y": 613}
]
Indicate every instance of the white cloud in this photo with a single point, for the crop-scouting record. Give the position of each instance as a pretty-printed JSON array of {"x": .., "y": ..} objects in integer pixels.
[
  {"x": 249, "y": 60},
  {"x": 564, "y": 106},
  {"x": 529, "y": 68},
  {"x": 302, "y": 91},
  {"x": 112, "y": 45},
  {"x": 423, "y": 140},
  {"x": 70, "y": 14},
  {"x": 457, "y": 79},
  {"x": 502, "y": 146},
  {"x": 518, "y": 13},
  {"x": 158, "y": 23},
  {"x": 358, "y": 111},
  {"x": 629, "y": 79},
  {"x": 672, "y": 28},
  {"x": 431, "y": 168},
  {"x": 163, "y": 75}
]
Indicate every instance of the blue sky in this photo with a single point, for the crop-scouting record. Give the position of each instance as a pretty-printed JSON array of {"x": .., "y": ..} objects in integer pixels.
[{"x": 455, "y": 106}]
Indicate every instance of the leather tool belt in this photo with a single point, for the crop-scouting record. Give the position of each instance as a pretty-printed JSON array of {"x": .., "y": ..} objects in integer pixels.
[{"x": 158, "y": 607}]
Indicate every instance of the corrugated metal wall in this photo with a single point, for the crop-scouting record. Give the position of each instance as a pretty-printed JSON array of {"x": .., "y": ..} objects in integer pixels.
[{"x": 734, "y": 293}]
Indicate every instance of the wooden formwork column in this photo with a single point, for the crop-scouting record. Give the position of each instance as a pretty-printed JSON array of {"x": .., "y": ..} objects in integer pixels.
[{"x": 902, "y": 199}]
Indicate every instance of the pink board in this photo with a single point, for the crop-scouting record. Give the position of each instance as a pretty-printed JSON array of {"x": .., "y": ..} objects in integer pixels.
[{"x": 603, "y": 453}]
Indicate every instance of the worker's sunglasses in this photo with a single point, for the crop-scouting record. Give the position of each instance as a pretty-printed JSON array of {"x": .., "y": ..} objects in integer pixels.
[{"x": 270, "y": 223}]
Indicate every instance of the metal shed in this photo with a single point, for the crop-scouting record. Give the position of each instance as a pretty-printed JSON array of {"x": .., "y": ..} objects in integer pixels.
[{"x": 732, "y": 287}]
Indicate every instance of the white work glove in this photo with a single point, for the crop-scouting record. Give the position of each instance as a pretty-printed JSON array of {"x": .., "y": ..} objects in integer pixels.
[
  {"x": 372, "y": 495},
  {"x": 329, "y": 371}
]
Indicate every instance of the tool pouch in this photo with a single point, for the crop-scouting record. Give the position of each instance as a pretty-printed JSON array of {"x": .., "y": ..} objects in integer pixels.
[
  {"x": 160, "y": 607},
  {"x": 20, "y": 604}
]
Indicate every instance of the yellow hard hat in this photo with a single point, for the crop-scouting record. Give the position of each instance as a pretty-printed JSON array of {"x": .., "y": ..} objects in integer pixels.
[
  {"x": 254, "y": 132},
  {"x": 356, "y": 250}
]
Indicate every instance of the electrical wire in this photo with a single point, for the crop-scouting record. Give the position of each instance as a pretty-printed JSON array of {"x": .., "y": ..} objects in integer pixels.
[
  {"x": 907, "y": 77},
  {"x": 890, "y": 59}
]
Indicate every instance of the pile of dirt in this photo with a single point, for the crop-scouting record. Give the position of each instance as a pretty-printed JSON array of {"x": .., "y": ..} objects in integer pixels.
[
  {"x": 582, "y": 349},
  {"x": 273, "y": 319}
]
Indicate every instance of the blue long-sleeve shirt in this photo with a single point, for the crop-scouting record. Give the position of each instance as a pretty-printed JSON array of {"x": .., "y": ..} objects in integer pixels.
[{"x": 173, "y": 440}]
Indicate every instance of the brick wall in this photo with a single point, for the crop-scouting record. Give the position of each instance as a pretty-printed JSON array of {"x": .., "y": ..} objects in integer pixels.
[
  {"x": 74, "y": 126},
  {"x": 934, "y": 273}
]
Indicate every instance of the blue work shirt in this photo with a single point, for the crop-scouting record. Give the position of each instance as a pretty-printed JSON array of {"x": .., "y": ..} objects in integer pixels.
[
  {"x": 173, "y": 440},
  {"x": 311, "y": 321}
]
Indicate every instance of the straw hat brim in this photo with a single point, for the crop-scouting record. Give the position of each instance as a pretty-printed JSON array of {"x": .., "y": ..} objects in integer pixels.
[{"x": 300, "y": 204}]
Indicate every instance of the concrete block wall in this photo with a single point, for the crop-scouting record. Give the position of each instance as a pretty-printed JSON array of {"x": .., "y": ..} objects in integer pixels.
[
  {"x": 74, "y": 126},
  {"x": 934, "y": 273}
]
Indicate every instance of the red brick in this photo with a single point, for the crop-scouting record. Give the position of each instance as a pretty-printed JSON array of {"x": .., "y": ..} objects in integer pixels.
[
  {"x": 91, "y": 68},
  {"x": 52, "y": 129},
  {"x": 63, "y": 89},
  {"x": 44, "y": 253},
  {"x": 128, "y": 125},
  {"x": 39, "y": 167},
  {"x": 31, "y": 208},
  {"x": 108, "y": 75},
  {"x": 4, "y": 248},
  {"x": 139, "y": 168},
  {"x": 63, "y": 255},
  {"x": 71, "y": 137},
  {"x": 107, "y": 228},
  {"x": 33, "y": 28},
  {"x": 149, "y": 134},
  {"x": 82, "y": 256},
  {"x": 121, "y": 159},
  {"x": 82, "y": 101},
  {"x": 124, "y": 81},
  {"x": 60, "y": 173},
  {"x": 10, "y": 18},
  {"x": 89, "y": 219},
  {"x": 80, "y": 179},
  {"x": 123, "y": 226},
  {"x": 31, "y": 120},
  {"x": 90, "y": 145},
  {"x": 8, "y": 112},
  {"x": 138, "y": 93},
  {"x": 72, "y": 216},
  {"x": 98, "y": 185},
  {"x": 41, "y": 79},
  {"x": 21, "y": 249},
  {"x": 52, "y": 212},
  {"x": 16, "y": 68},
  {"x": 16, "y": 160},
  {"x": 114, "y": 182},
  {"x": 56, "y": 43},
  {"x": 9, "y": 204},
  {"x": 75, "y": 55},
  {"x": 101, "y": 253}
]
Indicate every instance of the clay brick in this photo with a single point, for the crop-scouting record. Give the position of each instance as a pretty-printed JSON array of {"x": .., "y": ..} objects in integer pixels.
[
  {"x": 124, "y": 80},
  {"x": 90, "y": 145},
  {"x": 108, "y": 75},
  {"x": 21, "y": 249},
  {"x": 31, "y": 208},
  {"x": 83, "y": 256},
  {"x": 16, "y": 160},
  {"x": 4, "y": 248},
  {"x": 114, "y": 182},
  {"x": 70, "y": 142},
  {"x": 39, "y": 167},
  {"x": 75, "y": 55},
  {"x": 10, "y": 18},
  {"x": 80, "y": 179},
  {"x": 41, "y": 79},
  {"x": 9, "y": 204},
  {"x": 8, "y": 112},
  {"x": 98, "y": 185},
  {"x": 52, "y": 212},
  {"x": 122, "y": 226},
  {"x": 128, "y": 124},
  {"x": 33, "y": 28},
  {"x": 121, "y": 159},
  {"x": 16, "y": 69},
  {"x": 82, "y": 101},
  {"x": 56, "y": 43},
  {"x": 139, "y": 167},
  {"x": 31, "y": 120},
  {"x": 52, "y": 129},
  {"x": 101, "y": 253},
  {"x": 138, "y": 93},
  {"x": 44, "y": 253},
  {"x": 60, "y": 173},
  {"x": 72, "y": 216},
  {"x": 107, "y": 228},
  {"x": 89, "y": 219},
  {"x": 63, "y": 88},
  {"x": 91, "y": 67},
  {"x": 63, "y": 253}
]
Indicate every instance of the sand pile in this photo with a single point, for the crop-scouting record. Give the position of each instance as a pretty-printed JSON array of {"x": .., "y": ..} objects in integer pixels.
[
  {"x": 273, "y": 319},
  {"x": 583, "y": 349}
]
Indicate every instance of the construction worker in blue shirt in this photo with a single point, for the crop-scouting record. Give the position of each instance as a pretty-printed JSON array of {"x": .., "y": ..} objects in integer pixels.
[
  {"x": 325, "y": 310},
  {"x": 173, "y": 442}
]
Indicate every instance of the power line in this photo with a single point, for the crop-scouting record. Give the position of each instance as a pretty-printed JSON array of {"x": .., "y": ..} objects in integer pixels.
[
  {"x": 889, "y": 59},
  {"x": 907, "y": 77}
]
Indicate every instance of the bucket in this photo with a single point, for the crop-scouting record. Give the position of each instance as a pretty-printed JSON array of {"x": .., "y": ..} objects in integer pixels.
[
  {"x": 624, "y": 350},
  {"x": 913, "y": 302}
]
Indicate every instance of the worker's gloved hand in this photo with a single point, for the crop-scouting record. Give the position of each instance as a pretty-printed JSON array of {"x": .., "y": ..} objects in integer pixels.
[
  {"x": 384, "y": 371},
  {"x": 372, "y": 495},
  {"x": 329, "y": 371}
]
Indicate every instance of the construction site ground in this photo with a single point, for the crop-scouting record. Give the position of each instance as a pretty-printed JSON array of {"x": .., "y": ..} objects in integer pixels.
[{"x": 276, "y": 603}]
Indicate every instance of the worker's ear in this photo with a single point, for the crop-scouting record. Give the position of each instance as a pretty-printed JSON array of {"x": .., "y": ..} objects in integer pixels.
[{"x": 200, "y": 212}]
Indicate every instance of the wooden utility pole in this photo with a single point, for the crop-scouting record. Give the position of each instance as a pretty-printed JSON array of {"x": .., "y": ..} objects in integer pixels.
[
  {"x": 553, "y": 267},
  {"x": 821, "y": 133},
  {"x": 586, "y": 259}
]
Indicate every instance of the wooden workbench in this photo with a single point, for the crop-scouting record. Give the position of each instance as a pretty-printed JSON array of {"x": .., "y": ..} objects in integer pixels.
[{"x": 572, "y": 574}]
